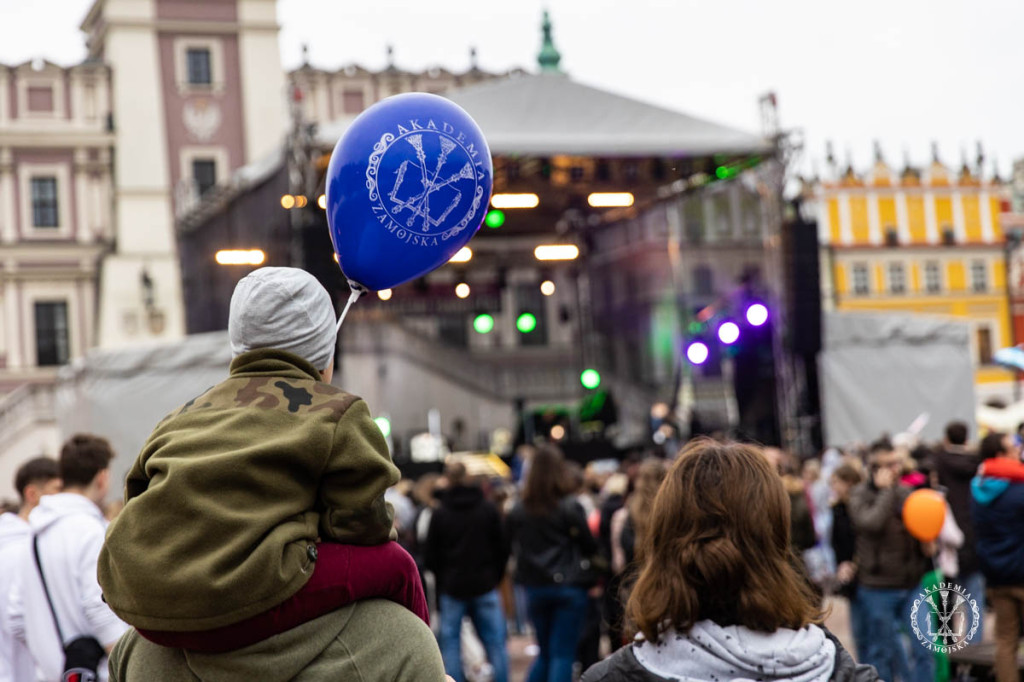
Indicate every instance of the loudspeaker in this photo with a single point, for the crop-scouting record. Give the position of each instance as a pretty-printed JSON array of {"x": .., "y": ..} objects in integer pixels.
[{"x": 802, "y": 267}]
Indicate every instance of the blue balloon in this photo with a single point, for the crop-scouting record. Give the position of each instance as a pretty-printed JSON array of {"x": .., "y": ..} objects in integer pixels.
[{"x": 407, "y": 186}]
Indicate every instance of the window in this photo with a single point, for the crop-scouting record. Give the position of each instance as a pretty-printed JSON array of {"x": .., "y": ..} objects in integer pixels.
[
  {"x": 198, "y": 65},
  {"x": 44, "y": 202},
  {"x": 979, "y": 276},
  {"x": 892, "y": 236},
  {"x": 861, "y": 285},
  {"x": 352, "y": 101},
  {"x": 577, "y": 173},
  {"x": 703, "y": 281},
  {"x": 204, "y": 173},
  {"x": 52, "y": 347},
  {"x": 932, "y": 277},
  {"x": 984, "y": 339},
  {"x": 897, "y": 279},
  {"x": 40, "y": 99},
  {"x": 948, "y": 236}
]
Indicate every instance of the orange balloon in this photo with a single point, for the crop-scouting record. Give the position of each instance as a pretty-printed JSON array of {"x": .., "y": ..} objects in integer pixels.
[{"x": 924, "y": 512}]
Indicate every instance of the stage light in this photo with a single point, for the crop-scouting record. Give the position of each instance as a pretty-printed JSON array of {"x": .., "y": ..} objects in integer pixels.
[
  {"x": 301, "y": 201},
  {"x": 463, "y": 255},
  {"x": 483, "y": 323},
  {"x": 757, "y": 314},
  {"x": 610, "y": 199},
  {"x": 515, "y": 201},
  {"x": 495, "y": 219},
  {"x": 526, "y": 322},
  {"x": 240, "y": 257},
  {"x": 728, "y": 332},
  {"x": 556, "y": 252},
  {"x": 384, "y": 424},
  {"x": 590, "y": 378},
  {"x": 384, "y": 294},
  {"x": 287, "y": 201},
  {"x": 462, "y": 290},
  {"x": 557, "y": 432},
  {"x": 321, "y": 201},
  {"x": 547, "y": 287},
  {"x": 697, "y": 352}
]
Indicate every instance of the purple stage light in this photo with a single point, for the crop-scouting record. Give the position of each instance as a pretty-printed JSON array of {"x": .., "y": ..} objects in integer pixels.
[
  {"x": 697, "y": 352},
  {"x": 728, "y": 333},
  {"x": 757, "y": 314}
]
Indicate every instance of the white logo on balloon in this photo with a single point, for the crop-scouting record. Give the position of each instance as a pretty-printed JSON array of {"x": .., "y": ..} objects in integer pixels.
[{"x": 438, "y": 180}]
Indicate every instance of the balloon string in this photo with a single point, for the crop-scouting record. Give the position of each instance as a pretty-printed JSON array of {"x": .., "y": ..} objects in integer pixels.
[{"x": 353, "y": 297}]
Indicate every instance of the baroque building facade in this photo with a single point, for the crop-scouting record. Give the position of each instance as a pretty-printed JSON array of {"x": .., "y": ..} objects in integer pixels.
[{"x": 923, "y": 241}]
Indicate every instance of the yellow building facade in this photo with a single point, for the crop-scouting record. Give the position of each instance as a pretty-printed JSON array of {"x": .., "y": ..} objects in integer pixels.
[{"x": 924, "y": 242}]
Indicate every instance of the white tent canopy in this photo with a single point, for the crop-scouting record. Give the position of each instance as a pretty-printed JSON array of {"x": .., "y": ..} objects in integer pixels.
[
  {"x": 880, "y": 372},
  {"x": 122, "y": 394}
]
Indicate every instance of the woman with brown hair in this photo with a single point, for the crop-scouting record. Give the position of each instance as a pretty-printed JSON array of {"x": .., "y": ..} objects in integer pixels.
[
  {"x": 553, "y": 549},
  {"x": 718, "y": 597}
]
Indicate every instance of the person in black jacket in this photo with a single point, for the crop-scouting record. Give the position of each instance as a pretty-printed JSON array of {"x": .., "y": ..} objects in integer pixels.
[
  {"x": 554, "y": 551},
  {"x": 844, "y": 479},
  {"x": 467, "y": 551},
  {"x": 956, "y": 465}
]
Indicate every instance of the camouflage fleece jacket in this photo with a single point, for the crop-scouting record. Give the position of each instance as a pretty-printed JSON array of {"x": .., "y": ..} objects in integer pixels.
[{"x": 232, "y": 490}]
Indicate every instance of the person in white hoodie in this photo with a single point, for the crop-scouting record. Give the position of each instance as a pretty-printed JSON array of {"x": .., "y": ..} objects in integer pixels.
[
  {"x": 34, "y": 478},
  {"x": 718, "y": 596},
  {"x": 70, "y": 529}
]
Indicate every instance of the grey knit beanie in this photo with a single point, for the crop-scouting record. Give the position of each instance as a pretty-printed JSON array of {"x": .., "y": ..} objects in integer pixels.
[{"x": 284, "y": 308}]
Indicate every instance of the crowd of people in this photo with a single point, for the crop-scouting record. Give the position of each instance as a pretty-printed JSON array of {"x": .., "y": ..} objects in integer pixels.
[{"x": 265, "y": 533}]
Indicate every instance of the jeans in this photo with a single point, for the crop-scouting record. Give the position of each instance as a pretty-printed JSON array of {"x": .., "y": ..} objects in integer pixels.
[
  {"x": 859, "y": 627},
  {"x": 975, "y": 585},
  {"x": 888, "y": 618},
  {"x": 488, "y": 619},
  {"x": 557, "y": 613},
  {"x": 1008, "y": 605}
]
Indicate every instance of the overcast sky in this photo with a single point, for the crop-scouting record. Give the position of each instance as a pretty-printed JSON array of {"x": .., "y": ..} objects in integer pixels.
[{"x": 905, "y": 72}]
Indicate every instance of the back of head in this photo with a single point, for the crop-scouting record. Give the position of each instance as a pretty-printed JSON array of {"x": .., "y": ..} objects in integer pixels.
[
  {"x": 456, "y": 474},
  {"x": 82, "y": 457},
  {"x": 992, "y": 445},
  {"x": 283, "y": 308},
  {"x": 545, "y": 481},
  {"x": 847, "y": 473},
  {"x": 35, "y": 471},
  {"x": 717, "y": 547},
  {"x": 956, "y": 433}
]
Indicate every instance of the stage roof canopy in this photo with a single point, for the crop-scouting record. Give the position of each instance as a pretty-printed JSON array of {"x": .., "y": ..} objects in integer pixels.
[{"x": 549, "y": 113}]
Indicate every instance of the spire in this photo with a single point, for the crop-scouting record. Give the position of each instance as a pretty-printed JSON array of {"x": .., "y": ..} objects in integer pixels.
[
  {"x": 548, "y": 57},
  {"x": 305, "y": 54},
  {"x": 391, "y": 56},
  {"x": 935, "y": 152},
  {"x": 879, "y": 157},
  {"x": 473, "y": 66}
]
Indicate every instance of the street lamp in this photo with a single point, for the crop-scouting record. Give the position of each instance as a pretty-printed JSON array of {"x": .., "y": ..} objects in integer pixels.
[{"x": 463, "y": 255}]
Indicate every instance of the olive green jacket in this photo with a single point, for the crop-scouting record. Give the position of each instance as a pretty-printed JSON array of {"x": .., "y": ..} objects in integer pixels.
[
  {"x": 232, "y": 490},
  {"x": 371, "y": 641}
]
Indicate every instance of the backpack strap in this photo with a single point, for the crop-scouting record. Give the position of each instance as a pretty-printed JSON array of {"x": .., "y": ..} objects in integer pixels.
[{"x": 46, "y": 590}]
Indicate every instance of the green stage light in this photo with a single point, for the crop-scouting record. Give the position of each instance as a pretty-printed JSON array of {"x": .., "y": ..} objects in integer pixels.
[
  {"x": 384, "y": 424},
  {"x": 483, "y": 323},
  {"x": 590, "y": 378},
  {"x": 495, "y": 218},
  {"x": 526, "y": 322}
]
